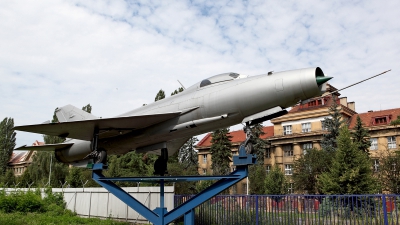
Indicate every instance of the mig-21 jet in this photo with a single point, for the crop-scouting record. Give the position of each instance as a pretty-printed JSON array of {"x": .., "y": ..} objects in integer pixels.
[{"x": 164, "y": 126}]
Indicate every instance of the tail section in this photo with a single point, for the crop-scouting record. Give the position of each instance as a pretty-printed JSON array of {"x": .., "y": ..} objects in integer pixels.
[{"x": 70, "y": 113}]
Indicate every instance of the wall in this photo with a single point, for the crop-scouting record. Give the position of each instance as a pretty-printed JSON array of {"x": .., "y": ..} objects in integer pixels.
[{"x": 98, "y": 202}]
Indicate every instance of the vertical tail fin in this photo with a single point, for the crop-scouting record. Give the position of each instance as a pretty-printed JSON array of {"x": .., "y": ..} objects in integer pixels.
[{"x": 70, "y": 113}]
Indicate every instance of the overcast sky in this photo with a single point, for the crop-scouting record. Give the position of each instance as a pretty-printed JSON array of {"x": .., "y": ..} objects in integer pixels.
[{"x": 116, "y": 55}]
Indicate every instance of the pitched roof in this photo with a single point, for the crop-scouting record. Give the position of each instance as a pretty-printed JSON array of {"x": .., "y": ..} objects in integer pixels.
[
  {"x": 237, "y": 137},
  {"x": 368, "y": 117},
  {"x": 21, "y": 156}
]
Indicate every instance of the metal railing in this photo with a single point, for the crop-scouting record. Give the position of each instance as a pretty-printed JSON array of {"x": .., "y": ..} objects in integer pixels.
[{"x": 297, "y": 209}]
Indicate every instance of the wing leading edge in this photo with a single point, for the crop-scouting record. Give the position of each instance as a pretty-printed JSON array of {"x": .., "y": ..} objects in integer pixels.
[{"x": 84, "y": 129}]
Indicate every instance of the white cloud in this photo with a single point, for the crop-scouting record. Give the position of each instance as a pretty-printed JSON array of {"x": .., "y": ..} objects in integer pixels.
[{"x": 116, "y": 55}]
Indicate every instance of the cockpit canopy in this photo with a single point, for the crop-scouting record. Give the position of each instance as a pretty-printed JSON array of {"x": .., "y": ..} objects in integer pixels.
[{"x": 220, "y": 78}]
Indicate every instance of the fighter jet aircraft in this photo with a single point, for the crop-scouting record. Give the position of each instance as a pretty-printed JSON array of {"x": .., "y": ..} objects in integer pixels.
[{"x": 164, "y": 126}]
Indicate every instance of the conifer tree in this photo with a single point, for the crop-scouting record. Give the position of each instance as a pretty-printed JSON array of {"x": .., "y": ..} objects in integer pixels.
[
  {"x": 259, "y": 144},
  {"x": 7, "y": 142},
  {"x": 221, "y": 151},
  {"x": 187, "y": 154},
  {"x": 350, "y": 172},
  {"x": 361, "y": 137},
  {"x": 333, "y": 124},
  {"x": 275, "y": 182},
  {"x": 160, "y": 95}
]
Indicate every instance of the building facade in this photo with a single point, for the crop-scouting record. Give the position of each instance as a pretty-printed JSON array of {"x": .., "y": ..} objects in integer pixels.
[
  {"x": 302, "y": 128},
  {"x": 20, "y": 160}
]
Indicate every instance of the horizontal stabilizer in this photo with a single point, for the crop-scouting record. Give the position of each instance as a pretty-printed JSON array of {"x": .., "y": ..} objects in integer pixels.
[
  {"x": 107, "y": 127},
  {"x": 50, "y": 147}
]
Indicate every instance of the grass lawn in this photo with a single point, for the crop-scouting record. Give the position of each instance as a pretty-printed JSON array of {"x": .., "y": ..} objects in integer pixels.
[{"x": 18, "y": 218}]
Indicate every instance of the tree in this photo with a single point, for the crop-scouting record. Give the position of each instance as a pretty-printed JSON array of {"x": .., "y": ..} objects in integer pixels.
[
  {"x": 350, "y": 172},
  {"x": 396, "y": 122},
  {"x": 220, "y": 151},
  {"x": 160, "y": 95},
  {"x": 177, "y": 91},
  {"x": 259, "y": 144},
  {"x": 257, "y": 172},
  {"x": 7, "y": 143},
  {"x": 9, "y": 179},
  {"x": 275, "y": 182},
  {"x": 87, "y": 108},
  {"x": 75, "y": 177},
  {"x": 389, "y": 171},
  {"x": 333, "y": 124},
  {"x": 257, "y": 175},
  {"x": 361, "y": 137},
  {"x": 187, "y": 155},
  {"x": 308, "y": 168}
]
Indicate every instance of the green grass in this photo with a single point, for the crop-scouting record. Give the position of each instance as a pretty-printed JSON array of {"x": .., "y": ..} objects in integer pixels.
[{"x": 18, "y": 218}]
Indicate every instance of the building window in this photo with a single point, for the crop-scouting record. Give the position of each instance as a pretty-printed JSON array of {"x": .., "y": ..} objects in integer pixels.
[
  {"x": 305, "y": 127},
  {"x": 391, "y": 142},
  {"x": 307, "y": 146},
  {"x": 288, "y": 150},
  {"x": 288, "y": 169},
  {"x": 375, "y": 164},
  {"x": 290, "y": 188},
  {"x": 268, "y": 153},
  {"x": 287, "y": 129},
  {"x": 268, "y": 169},
  {"x": 204, "y": 171},
  {"x": 374, "y": 143},
  {"x": 204, "y": 158}
]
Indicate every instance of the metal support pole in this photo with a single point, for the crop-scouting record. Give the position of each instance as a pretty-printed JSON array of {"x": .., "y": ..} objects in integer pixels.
[
  {"x": 189, "y": 217},
  {"x": 385, "y": 217}
]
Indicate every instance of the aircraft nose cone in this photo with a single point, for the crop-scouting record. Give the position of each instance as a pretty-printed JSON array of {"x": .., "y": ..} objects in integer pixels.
[{"x": 321, "y": 80}]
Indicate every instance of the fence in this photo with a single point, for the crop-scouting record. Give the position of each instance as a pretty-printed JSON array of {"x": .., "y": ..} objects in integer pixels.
[
  {"x": 297, "y": 209},
  {"x": 98, "y": 202}
]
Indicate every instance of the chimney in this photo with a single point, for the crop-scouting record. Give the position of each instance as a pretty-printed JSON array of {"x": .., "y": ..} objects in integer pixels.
[
  {"x": 351, "y": 105},
  {"x": 343, "y": 101}
]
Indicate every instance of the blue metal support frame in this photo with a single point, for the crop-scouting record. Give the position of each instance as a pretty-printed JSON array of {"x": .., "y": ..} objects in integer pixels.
[{"x": 160, "y": 216}]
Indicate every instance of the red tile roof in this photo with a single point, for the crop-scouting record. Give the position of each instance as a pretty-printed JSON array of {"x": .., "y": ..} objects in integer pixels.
[
  {"x": 237, "y": 137},
  {"x": 368, "y": 117}
]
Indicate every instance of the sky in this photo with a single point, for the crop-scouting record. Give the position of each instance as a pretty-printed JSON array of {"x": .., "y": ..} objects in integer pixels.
[{"x": 116, "y": 55}]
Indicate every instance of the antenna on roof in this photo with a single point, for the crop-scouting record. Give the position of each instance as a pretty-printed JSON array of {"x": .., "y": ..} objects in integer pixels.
[
  {"x": 361, "y": 81},
  {"x": 181, "y": 85}
]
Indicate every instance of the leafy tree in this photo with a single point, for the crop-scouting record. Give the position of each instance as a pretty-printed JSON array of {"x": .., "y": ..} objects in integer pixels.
[
  {"x": 221, "y": 151},
  {"x": 396, "y": 122},
  {"x": 257, "y": 172},
  {"x": 275, "y": 182},
  {"x": 9, "y": 179},
  {"x": 160, "y": 95},
  {"x": 333, "y": 124},
  {"x": 361, "y": 137},
  {"x": 179, "y": 169},
  {"x": 7, "y": 143},
  {"x": 75, "y": 177},
  {"x": 177, "y": 91},
  {"x": 308, "y": 168},
  {"x": 350, "y": 172},
  {"x": 389, "y": 171},
  {"x": 26, "y": 179},
  {"x": 257, "y": 176},
  {"x": 87, "y": 108}
]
